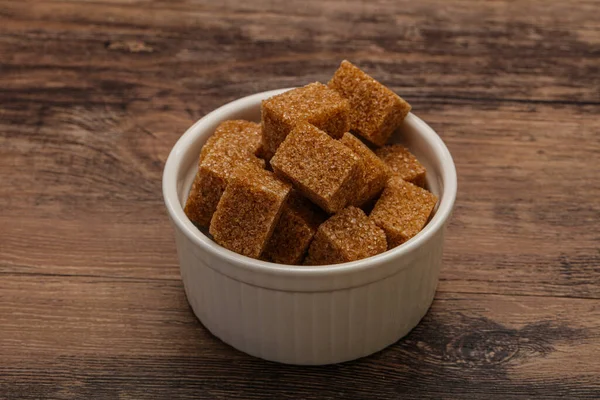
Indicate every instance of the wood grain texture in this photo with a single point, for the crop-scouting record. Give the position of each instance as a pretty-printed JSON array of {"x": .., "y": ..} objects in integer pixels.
[{"x": 93, "y": 94}]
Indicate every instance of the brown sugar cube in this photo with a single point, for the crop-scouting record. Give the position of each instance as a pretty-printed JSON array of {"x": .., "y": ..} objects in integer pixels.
[
  {"x": 294, "y": 231},
  {"x": 314, "y": 103},
  {"x": 211, "y": 181},
  {"x": 238, "y": 133},
  {"x": 249, "y": 210},
  {"x": 321, "y": 168},
  {"x": 374, "y": 173},
  {"x": 402, "y": 210},
  {"x": 402, "y": 163},
  {"x": 375, "y": 111},
  {"x": 227, "y": 152},
  {"x": 347, "y": 236}
]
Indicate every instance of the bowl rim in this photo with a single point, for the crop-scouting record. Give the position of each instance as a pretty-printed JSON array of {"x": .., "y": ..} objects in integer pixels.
[{"x": 177, "y": 215}]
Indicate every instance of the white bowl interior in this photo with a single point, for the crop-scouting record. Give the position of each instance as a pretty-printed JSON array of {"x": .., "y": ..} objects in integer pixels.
[{"x": 414, "y": 133}]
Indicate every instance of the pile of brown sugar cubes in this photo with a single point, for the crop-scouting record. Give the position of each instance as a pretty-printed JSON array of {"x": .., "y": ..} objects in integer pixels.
[{"x": 295, "y": 188}]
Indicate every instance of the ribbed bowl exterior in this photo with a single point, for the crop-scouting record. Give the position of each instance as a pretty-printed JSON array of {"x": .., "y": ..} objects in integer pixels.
[
  {"x": 308, "y": 314},
  {"x": 311, "y": 328}
]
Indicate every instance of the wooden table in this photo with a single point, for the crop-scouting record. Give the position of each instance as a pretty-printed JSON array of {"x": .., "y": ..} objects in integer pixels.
[{"x": 93, "y": 94}]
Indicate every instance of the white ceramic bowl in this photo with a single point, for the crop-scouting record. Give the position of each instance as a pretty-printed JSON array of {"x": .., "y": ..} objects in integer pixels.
[{"x": 308, "y": 314}]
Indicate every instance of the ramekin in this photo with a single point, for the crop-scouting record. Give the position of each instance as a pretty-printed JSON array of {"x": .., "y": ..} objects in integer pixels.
[{"x": 308, "y": 315}]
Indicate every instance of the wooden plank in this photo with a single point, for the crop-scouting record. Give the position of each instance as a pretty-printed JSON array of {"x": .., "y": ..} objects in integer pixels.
[
  {"x": 93, "y": 94},
  {"x": 433, "y": 48},
  {"x": 73, "y": 337},
  {"x": 522, "y": 224}
]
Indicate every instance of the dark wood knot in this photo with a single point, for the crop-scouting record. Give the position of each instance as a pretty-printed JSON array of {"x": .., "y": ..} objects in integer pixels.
[{"x": 483, "y": 348}]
